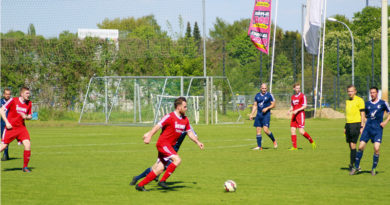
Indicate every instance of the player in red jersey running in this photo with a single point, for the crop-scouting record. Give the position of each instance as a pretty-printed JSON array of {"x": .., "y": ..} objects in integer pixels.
[
  {"x": 19, "y": 110},
  {"x": 298, "y": 105},
  {"x": 173, "y": 125}
]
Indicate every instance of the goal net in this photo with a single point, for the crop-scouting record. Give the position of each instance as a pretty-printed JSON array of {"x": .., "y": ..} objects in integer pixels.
[{"x": 144, "y": 100}]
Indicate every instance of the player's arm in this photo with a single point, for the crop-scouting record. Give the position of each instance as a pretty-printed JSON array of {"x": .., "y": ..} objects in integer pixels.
[
  {"x": 254, "y": 109},
  {"x": 362, "y": 115},
  {"x": 195, "y": 139},
  {"x": 300, "y": 109},
  {"x": 148, "y": 136},
  {"x": 3, "y": 115},
  {"x": 273, "y": 104},
  {"x": 383, "y": 124}
]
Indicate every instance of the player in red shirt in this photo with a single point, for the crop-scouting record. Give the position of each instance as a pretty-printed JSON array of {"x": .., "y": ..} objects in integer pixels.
[
  {"x": 19, "y": 110},
  {"x": 298, "y": 105},
  {"x": 173, "y": 125}
]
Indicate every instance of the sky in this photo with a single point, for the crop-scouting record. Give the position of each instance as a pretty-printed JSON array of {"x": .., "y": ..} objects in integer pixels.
[{"x": 51, "y": 17}]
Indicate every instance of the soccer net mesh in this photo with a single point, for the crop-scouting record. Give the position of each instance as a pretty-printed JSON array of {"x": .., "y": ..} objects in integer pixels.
[{"x": 143, "y": 101}]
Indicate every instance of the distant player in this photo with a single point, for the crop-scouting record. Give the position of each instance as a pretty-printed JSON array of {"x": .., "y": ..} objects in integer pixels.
[
  {"x": 149, "y": 169},
  {"x": 6, "y": 97},
  {"x": 172, "y": 125},
  {"x": 373, "y": 129},
  {"x": 264, "y": 102},
  {"x": 298, "y": 105},
  {"x": 354, "y": 114},
  {"x": 19, "y": 110}
]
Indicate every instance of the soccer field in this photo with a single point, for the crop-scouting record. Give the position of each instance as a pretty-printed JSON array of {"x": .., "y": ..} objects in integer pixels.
[{"x": 74, "y": 164}]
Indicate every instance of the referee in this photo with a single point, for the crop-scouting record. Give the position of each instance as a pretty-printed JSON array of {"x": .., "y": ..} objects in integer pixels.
[{"x": 354, "y": 110}]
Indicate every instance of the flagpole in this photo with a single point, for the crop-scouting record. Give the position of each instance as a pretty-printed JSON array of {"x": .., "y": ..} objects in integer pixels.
[
  {"x": 303, "y": 50},
  {"x": 273, "y": 47},
  {"x": 318, "y": 69},
  {"x": 323, "y": 54}
]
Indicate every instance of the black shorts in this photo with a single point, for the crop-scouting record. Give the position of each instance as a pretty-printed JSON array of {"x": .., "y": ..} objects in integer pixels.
[{"x": 352, "y": 131}]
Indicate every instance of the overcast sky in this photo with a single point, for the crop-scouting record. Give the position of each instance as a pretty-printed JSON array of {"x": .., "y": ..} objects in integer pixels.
[{"x": 51, "y": 17}]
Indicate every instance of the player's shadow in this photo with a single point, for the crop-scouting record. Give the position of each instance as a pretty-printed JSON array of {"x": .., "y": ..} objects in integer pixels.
[
  {"x": 173, "y": 186},
  {"x": 360, "y": 172},
  {"x": 16, "y": 169},
  {"x": 11, "y": 158}
]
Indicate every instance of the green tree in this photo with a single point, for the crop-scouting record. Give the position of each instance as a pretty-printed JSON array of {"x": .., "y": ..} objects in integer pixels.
[
  {"x": 31, "y": 30},
  {"x": 188, "y": 30}
]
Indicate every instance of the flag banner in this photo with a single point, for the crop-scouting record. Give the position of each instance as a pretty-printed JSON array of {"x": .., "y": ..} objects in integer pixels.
[
  {"x": 311, "y": 29},
  {"x": 260, "y": 26}
]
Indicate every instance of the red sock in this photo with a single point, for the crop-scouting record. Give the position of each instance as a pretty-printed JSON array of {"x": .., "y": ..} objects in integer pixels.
[
  {"x": 308, "y": 137},
  {"x": 27, "y": 154},
  {"x": 147, "y": 179},
  {"x": 294, "y": 140},
  {"x": 171, "y": 168}
]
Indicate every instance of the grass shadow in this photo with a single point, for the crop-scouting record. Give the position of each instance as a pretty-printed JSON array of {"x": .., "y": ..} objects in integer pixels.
[{"x": 11, "y": 158}]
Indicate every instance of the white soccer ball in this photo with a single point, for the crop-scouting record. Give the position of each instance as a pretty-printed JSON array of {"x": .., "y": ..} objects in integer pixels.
[{"x": 230, "y": 186}]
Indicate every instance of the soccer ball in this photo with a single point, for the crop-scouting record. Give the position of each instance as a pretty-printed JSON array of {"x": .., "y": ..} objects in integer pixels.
[{"x": 230, "y": 186}]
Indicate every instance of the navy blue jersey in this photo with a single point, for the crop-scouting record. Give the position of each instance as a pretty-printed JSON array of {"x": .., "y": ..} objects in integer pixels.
[
  {"x": 3, "y": 101},
  {"x": 263, "y": 101},
  {"x": 375, "y": 110},
  {"x": 181, "y": 138}
]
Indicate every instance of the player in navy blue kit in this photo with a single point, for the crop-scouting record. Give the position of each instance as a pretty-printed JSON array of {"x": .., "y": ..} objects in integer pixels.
[
  {"x": 373, "y": 129},
  {"x": 6, "y": 97},
  {"x": 149, "y": 169},
  {"x": 264, "y": 102}
]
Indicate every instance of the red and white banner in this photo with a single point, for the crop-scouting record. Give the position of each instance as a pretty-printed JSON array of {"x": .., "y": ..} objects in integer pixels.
[{"x": 260, "y": 27}]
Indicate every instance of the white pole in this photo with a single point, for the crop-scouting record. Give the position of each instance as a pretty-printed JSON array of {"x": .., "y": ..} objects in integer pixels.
[
  {"x": 318, "y": 69},
  {"x": 204, "y": 37},
  {"x": 323, "y": 54},
  {"x": 273, "y": 47},
  {"x": 384, "y": 52},
  {"x": 303, "y": 50}
]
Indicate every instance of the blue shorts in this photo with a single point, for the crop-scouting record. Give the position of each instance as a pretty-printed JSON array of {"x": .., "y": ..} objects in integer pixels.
[
  {"x": 373, "y": 133},
  {"x": 262, "y": 120}
]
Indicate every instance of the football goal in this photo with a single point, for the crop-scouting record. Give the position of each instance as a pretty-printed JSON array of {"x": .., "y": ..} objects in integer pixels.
[{"x": 144, "y": 100}]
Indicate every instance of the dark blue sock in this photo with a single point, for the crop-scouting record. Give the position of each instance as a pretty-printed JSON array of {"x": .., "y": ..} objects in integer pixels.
[
  {"x": 146, "y": 172},
  {"x": 359, "y": 156},
  {"x": 6, "y": 151},
  {"x": 258, "y": 137},
  {"x": 271, "y": 136},
  {"x": 375, "y": 161}
]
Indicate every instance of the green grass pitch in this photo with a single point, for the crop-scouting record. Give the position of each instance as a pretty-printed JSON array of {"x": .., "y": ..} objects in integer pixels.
[{"x": 73, "y": 164}]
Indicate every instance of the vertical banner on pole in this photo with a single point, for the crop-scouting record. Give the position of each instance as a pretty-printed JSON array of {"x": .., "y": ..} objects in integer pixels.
[{"x": 260, "y": 26}]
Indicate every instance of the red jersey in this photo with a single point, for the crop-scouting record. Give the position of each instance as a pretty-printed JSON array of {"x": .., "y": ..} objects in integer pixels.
[
  {"x": 172, "y": 127},
  {"x": 298, "y": 101},
  {"x": 14, "y": 107}
]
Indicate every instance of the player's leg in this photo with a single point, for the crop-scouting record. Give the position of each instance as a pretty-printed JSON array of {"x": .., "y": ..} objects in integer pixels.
[
  {"x": 359, "y": 156},
  {"x": 270, "y": 135},
  {"x": 156, "y": 170},
  {"x": 176, "y": 160},
  {"x": 352, "y": 134},
  {"x": 375, "y": 159},
  {"x": 26, "y": 155},
  {"x": 258, "y": 138},
  {"x": 5, "y": 155},
  {"x": 258, "y": 126},
  {"x": 3, "y": 147},
  {"x": 293, "y": 136}
]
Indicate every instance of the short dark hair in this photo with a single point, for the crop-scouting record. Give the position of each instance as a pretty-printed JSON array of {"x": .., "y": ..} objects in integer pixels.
[
  {"x": 6, "y": 89},
  {"x": 351, "y": 86},
  {"x": 374, "y": 88},
  {"x": 179, "y": 101},
  {"x": 24, "y": 88},
  {"x": 296, "y": 84}
]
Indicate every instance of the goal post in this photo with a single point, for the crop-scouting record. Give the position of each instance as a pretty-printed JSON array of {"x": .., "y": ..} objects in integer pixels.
[{"x": 144, "y": 100}]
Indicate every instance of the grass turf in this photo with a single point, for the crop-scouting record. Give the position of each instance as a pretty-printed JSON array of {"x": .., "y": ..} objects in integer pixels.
[{"x": 74, "y": 164}]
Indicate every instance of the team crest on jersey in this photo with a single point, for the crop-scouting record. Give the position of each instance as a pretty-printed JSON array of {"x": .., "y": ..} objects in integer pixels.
[{"x": 379, "y": 106}]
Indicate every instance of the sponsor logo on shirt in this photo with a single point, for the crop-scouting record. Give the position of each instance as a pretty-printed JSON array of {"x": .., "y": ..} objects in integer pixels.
[
  {"x": 21, "y": 109},
  {"x": 179, "y": 127}
]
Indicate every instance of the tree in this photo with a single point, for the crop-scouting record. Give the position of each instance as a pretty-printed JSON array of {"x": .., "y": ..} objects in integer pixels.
[
  {"x": 31, "y": 30},
  {"x": 196, "y": 35},
  {"x": 188, "y": 30}
]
